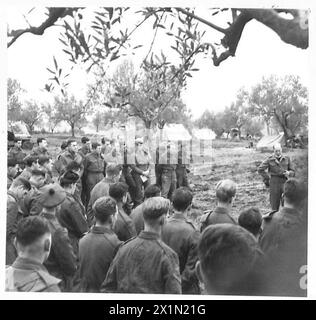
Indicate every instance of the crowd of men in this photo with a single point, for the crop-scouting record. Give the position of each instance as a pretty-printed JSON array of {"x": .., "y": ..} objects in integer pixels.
[{"x": 83, "y": 222}]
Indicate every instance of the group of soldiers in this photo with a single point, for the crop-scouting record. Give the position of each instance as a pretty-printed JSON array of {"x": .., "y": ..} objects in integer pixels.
[{"x": 88, "y": 222}]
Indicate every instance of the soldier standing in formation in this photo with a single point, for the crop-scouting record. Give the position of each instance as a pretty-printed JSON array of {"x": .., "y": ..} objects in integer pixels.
[
  {"x": 284, "y": 240},
  {"x": 15, "y": 196},
  {"x": 180, "y": 234},
  {"x": 16, "y": 153},
  {"x": 27, "y": 273},
  {"x": 165, "y": 169},
  {"x": 13, "y": 169},
  {"x": 279, "y": 169},
  {"x": 140, "y": 171},
  {"x": 93, "y": 169},
  {"x": 98, "y": 248},
  {"x": 85, "y": 147},
  {"x": 225, "y": 194},
  {"x": 61, "y": 262},
  {"x": 124, "y": 226},
  {"x": 41, "y": 149},
  {"x": 145, "y": 264}
]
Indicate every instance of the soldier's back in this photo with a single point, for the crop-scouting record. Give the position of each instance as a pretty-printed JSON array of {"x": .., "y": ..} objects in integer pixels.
[
  {"x": 96, "y": 252},
  {"x": 26, "y": 276},
  {"x": 146, "y": 265}
]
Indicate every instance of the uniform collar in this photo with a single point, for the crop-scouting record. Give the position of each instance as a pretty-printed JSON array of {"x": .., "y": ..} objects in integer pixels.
[
  {"x": 28, "y": 264},
  {"x": 221, "y": 210},
  {"x": 101, "y": 230},
  {"x": 278, "y": 159},
  {"x": 148, "y": 235},
  {"x": 289, "y": 211},
  {"x": 178, "y": 216}
]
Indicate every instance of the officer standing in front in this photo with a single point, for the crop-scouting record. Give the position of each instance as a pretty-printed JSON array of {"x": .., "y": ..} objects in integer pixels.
[{"x": 279, "y": 169}]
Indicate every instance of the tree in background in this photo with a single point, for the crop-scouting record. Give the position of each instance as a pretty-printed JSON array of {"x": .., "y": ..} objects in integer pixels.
[
  {"x": 14, "y": 104},
  {"x": 253, "y": 127},
  {"x": 151, "y": 94},
  {"x": 30, "y": 115},
  {"x": 211, "y": 120},
  {"x": 282, "y": 100},
  {"x": 53, "y": 117},
  {"x": 72, "y": 111}
]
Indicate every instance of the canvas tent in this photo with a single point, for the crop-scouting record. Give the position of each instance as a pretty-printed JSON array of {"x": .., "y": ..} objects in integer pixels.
[
  {"x": 175, "y": 132},
  {"x": 203, "y": 134},
  {"x": 267, "y": 142}
]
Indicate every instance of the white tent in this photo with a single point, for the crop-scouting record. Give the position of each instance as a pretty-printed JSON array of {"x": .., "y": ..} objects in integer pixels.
[
  {"x": 175, "y": 132},
  {"x": 267, "y": 142},
  {"x": 204, "y": 134}
]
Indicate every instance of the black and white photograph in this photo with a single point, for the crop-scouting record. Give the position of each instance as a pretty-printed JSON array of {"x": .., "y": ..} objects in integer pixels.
[{"x": 157, "y": 150}]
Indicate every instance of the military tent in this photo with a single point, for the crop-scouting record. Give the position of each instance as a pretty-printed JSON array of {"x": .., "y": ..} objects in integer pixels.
[{"x": 267, "y": 142}]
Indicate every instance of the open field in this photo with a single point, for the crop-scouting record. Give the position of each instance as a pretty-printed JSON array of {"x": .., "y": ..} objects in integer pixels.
[
  {"x": 239, "y": 164},
  {"x": 225, "y": 159}
]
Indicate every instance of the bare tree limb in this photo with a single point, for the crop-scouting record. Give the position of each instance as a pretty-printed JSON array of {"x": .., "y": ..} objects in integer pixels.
[
  {"x": 53, "y": 16},
  {"x": 231, "y": 39},
  {"x": 208, "y": 23}
]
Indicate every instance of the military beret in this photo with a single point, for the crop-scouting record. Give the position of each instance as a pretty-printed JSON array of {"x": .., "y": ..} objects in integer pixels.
[
  {"x": 51, "y": 195},
  {"x": 69, "y": 177},
  {"x": 85, "y": 139}
]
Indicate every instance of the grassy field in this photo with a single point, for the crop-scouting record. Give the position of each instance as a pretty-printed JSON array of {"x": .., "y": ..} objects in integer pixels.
[{"x": 225, "y": 160}]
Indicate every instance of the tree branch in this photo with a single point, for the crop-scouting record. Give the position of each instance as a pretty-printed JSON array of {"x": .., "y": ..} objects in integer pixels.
[
  {"x": 231, "y": 39},
  {"x": 291, "y": 31},
  {"x": 208, "y": 23},
  {"x": 54, "y": 15}
]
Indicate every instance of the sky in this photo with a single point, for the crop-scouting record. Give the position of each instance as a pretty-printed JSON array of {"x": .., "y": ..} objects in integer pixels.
[{"x": 260, "y": 53}]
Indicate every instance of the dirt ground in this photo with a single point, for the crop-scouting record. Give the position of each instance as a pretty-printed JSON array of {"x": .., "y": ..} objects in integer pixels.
[
  {"x": 239, "y": 164},
  {"x": 225, "y": 159}
]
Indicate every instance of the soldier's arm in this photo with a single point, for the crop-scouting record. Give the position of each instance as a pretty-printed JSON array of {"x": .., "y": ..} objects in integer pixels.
[
  {"x": 90, "y": 214},
  {"x": 12, "y": 216},
  {"x": 269, "y": 238},
  {"x": 188, "y": 276},
  {"x": 171, "y": 274},
  {"x": 137, "y": 170},
  {"x": 262, "y": 169},
  {"x": 79, "y": 222},
  {"x": 110, "y": 282},
  {"x": 64, "y": 252},
  {"x": 132, "y": 229}
]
